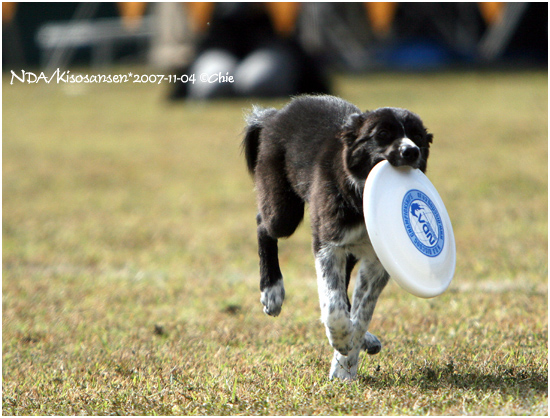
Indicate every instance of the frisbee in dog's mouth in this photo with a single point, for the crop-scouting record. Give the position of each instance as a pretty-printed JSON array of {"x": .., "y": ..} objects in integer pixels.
[{"x": 410, "y": 229}]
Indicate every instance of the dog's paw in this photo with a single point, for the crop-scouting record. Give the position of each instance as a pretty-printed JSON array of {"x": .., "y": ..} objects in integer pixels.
[
  {"x": 344, "y": 367},
  {"x": 341, "y": 346},
  {"x": 339, "y": 333},
  {"x": 272, "y": 298},
  {"x": 371, "y": 344}
]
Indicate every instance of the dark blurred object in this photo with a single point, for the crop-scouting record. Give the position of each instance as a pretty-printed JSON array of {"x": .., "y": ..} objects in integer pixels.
[
  {"x": 19, "y": 32},
  {"x": 11, "y": 36},
  {"x": 431, "y": 36},
  {"x": 342, "y": 36},
  {"x": 522, "y": 35},
  {"x": 241, "y": 42},
  {"x": 59, "y": 41}
]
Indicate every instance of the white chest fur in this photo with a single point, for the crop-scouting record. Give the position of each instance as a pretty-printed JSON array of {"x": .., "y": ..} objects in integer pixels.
[{"x": 357, "y": 242}]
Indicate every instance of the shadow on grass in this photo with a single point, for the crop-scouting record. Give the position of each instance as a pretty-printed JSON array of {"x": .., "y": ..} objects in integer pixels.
[{"x": 432, "y": 377}]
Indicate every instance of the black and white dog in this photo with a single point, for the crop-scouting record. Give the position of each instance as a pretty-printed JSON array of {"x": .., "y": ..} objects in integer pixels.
[{"x": 319, "y": 150}]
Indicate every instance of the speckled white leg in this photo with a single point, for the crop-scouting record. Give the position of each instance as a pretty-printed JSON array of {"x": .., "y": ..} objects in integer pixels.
[
  {"x": 330, "y": 263},
  {"x": 370, "y": 281}
]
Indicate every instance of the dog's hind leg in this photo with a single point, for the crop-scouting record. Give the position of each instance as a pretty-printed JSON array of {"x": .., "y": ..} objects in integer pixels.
[
  {"x": 281, "y": 211},
  {"x": 271, "y": 279},
  {"x": 371, "y": 280}
]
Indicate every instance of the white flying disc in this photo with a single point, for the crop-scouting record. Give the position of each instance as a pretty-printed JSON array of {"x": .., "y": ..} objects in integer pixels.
[{"x": 409, "y": 229}]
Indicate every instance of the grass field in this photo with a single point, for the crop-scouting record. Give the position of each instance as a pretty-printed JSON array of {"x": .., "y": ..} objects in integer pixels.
[{"x": 130, "y": 274}]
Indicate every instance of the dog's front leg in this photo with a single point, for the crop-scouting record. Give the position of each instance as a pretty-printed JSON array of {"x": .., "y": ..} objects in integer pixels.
[
  {"x": 371, "y": 280},
  {"x": 330, "y": 263}
]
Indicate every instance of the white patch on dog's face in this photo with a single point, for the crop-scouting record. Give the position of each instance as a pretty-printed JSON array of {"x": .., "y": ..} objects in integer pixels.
[
  {"x": 407, "y": 142},
  {"x": 397, "y": 145},
  {"x": 403, "y": 151}
]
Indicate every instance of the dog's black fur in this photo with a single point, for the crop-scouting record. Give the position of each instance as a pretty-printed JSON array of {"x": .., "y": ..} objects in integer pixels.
[{"x": 319, "y": 150}]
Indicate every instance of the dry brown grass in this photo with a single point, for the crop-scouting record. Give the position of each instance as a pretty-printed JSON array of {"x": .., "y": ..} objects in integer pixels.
[{"x": 130, "y": 269}]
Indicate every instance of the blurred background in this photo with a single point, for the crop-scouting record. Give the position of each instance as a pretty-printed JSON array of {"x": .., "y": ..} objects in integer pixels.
[{"x": 274, "y": 49}]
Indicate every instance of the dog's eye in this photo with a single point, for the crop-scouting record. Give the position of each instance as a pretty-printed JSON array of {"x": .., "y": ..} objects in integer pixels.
[
  {"x": 383, "y": 134},
  {"x": 417, "y": 138}
]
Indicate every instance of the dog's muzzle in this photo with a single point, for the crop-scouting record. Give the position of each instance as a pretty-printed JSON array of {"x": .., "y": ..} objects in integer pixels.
[
  {"x": 409, "y": 153},
  {"x": 404, "y": 152}
]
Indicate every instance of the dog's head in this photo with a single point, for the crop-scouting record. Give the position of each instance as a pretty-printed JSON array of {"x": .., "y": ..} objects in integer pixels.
[{"x": 388, "y": 133}]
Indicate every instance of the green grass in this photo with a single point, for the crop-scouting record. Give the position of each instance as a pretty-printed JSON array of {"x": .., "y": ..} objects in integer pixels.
[{"x": 130, "y": 277}]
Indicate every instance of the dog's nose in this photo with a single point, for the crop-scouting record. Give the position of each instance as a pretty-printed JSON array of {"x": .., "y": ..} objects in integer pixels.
[{"x": 410, "y": 153}]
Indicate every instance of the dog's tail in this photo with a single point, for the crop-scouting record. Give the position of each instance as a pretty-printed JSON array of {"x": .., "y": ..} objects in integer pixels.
[{"x": 255, "y": 122}]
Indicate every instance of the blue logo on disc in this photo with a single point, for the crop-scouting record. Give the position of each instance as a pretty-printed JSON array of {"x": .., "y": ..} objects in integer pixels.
[{"x": 423, "y": 223}]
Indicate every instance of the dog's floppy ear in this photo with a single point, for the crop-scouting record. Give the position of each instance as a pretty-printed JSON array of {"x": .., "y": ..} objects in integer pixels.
[
  {"x": 429, "y": 137},
  {"x": 350, "y": 130}
]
